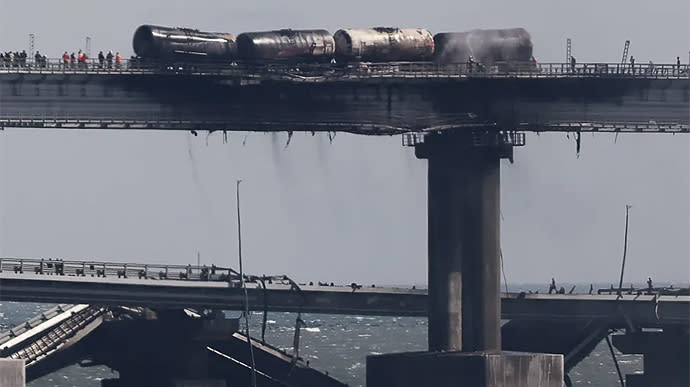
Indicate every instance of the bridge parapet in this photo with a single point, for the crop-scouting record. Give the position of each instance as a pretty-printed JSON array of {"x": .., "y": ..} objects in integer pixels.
[
  {"x": 73, "y": 268},
  {"x": 308, "y": 72}
]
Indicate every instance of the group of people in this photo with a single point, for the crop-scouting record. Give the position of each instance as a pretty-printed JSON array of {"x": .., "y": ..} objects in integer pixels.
[
  {"x": 14, "y": 59},
  {"x": 650, "y": 69},
  {"x": 81, "y": 60}
]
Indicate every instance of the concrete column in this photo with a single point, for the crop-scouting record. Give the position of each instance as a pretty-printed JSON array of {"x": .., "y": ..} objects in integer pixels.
[
  {"x": 464, "y": 277},
  {"x": 463, "y": 227}
]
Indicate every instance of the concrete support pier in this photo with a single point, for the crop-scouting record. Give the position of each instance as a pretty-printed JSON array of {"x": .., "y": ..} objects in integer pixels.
[
  {"x": 464, "y": 265},
  {"x": 460, "y": 369},
  {"x": 464, "y": 275}
]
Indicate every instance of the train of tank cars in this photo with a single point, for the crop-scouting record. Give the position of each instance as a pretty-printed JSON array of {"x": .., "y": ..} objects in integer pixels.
[{"x": 162, "y": 45}]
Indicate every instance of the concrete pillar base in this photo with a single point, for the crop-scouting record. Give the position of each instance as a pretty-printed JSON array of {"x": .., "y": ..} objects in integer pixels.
[
  {"x": 471, "y": 369},
  {"x": 12, "y": 373}
]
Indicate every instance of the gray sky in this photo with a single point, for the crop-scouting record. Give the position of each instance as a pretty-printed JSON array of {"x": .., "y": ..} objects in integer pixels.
[{"x": 354, "y": 210}]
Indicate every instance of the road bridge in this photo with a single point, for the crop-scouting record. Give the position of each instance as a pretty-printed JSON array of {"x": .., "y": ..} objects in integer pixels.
[
  {"x": 568, "y": 324},
  {"x": 285, "y": 296},
  {"x": 69, "y": 334}
]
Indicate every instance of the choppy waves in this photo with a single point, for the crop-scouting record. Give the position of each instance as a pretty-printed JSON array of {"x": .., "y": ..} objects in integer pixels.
[{"x": 336, "y": 344}]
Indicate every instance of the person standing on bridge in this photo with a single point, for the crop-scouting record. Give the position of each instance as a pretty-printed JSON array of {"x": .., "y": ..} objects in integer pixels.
[
  {"x": 65, "y": 59},
  {"x": 118, "y": 60},
  {"x": 72, "y": 60},
  {"x": 101, "y": 59},
  {"x": 678, "y": 64},
  {"x": 109, "y": 58},
  {"x": 572, "y": 64},
  {"x": 632, "y": 64}
]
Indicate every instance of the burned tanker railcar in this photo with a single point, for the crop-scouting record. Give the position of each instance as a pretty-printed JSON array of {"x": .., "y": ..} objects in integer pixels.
[
  {"x": 155, "y": 43},
  {"x": 507, "y": 48},
  {"x": 384, "y": 44},
  {"x": 286, "y": 45}
]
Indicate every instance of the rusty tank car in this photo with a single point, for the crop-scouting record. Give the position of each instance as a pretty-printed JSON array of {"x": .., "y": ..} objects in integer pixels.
[
  {"x": 383, "y": 44},
  {"x": 156, "y": 42},
  {"x": 282, "y": 45},
  {"x": 506, "y": 47}
]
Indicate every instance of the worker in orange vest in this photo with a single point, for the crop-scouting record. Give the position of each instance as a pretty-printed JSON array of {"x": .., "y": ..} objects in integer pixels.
[
  {"x": 118, "y": 60},
  {"x": 85, "y": 61}
]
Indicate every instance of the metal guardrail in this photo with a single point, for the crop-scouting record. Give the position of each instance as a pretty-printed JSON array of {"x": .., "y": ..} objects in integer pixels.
[
  {"x": 153, "y": 122},
  {"x": 59, "y": 267},
  {"x": 318, "y": 72},
  {"x": 33, "y": 322},
  {"x": 43, "y": 345}
]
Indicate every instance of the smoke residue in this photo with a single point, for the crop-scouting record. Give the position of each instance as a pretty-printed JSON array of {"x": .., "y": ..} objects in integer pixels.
[
  {"x": 204, "y": 201},
  {"x": 484, "y": 46}
]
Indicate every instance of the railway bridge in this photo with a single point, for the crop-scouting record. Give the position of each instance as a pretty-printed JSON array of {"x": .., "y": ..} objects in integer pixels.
[
  {"x": 372, "y": 99},
  {"x": 462, "y": 121}
]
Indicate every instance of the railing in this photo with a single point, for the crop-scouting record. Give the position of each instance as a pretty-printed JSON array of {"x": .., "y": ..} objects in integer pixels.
[
  {"x": 145, "y": 121},
  {"x": 311, "y": 72},
  {"x": 33, "y": 322},
  {"x": 59, "y": 267},
  {"x": 153, "y": 121},
  {"x": 39, "y": 347}
]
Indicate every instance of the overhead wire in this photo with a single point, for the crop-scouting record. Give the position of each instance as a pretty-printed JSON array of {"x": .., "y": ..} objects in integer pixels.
[
  {"x": 500, "y": 252},
  {"x": 625, "y": 250},
  {"x": 299, "y": 323},
  {"x": 503, "y": 271},
  {"x": 264, "y": 320},
  {"x": 615, "y": 360},
  {"x": 244, "y": 288}
]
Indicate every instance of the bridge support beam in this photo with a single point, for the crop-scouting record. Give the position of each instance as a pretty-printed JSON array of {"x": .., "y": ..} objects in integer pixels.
[{"x": 464, "y": 275}]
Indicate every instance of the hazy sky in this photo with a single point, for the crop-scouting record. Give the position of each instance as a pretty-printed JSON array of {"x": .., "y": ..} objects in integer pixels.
[{"x": 353, "y": 210}]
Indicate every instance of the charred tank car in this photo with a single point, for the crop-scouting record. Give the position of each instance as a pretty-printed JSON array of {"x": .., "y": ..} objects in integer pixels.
[
  {"x": 286, "y": 45},
  {"x": 384, "y": 44},
  {"x": 154, "y": 43},
  {"x": 506, "y": 48}
]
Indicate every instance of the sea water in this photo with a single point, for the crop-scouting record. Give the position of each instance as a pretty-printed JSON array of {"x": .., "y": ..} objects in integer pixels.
[{"x": 336, "y": 344}]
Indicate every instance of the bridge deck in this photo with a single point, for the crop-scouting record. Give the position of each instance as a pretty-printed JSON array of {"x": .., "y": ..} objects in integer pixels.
[
  {"x": 367, "y": 98},
  {"x": 319, "y": 73},
  {"x": 648, "y": 310}
]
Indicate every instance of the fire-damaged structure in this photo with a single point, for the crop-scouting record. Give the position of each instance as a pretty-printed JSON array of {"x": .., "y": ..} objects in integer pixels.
[
  {"x": 155, "y": 42},
  {"x": 304, "y": 45},
  {"x": 486, "y": 47},
  {"x": 384, "y": 44},
  {"x": 380, "y": 44}
]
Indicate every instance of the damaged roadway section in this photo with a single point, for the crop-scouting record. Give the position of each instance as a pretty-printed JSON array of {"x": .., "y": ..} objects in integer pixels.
[{"x": 646, "y": 310}]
